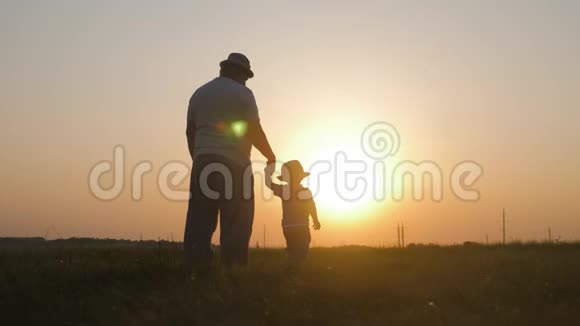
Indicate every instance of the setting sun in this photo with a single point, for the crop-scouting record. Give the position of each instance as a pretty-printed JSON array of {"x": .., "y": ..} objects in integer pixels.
[{"x": 326, "y": 151}]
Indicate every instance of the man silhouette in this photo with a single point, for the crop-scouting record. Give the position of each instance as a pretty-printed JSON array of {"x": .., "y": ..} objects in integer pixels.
[{"x": 222, "y": 126}]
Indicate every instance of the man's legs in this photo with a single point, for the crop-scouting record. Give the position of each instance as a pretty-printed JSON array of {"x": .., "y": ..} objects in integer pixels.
[
  {"x": 236, "y": 220},
  {"x": 236, "y": 215},
  {"x": 201, "y": 222}
]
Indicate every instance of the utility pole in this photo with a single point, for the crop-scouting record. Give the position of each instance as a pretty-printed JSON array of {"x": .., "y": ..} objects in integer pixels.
[
  {"x": 403, "y": 234},
  {"x": 550, "y": 235},
  {"x": 503, "y": 227},
  {"x": 398, "y": 236},
  {"x": 486, "y": 240}
]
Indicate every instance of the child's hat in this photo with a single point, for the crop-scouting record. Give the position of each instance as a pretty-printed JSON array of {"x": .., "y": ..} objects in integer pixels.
[{"x": 292, "y": 170}]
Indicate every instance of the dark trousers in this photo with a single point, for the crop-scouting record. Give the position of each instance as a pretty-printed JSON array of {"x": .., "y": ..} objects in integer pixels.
[
  {"x": 235, "y": 205},
  {"x": 297, "y": 243}
]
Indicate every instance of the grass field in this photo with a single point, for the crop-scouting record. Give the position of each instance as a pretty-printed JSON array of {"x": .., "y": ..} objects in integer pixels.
[{"x": 57, "y": 284}]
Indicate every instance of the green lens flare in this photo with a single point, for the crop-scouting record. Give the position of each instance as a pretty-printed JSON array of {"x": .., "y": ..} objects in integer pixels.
[{"x": 239, "y": 128}]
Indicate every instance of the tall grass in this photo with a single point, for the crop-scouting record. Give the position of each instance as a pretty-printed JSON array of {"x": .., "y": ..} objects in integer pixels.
[{"x": 520, "y": 284}]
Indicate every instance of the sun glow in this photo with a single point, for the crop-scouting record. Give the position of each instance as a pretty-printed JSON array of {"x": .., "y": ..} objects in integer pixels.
[
  {"x": 343, "y": 179},
  {"x": 337, "y": 190}
]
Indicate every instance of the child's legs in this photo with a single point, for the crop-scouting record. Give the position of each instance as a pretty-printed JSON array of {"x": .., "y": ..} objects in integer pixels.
[{"x": 297, "y": 243}]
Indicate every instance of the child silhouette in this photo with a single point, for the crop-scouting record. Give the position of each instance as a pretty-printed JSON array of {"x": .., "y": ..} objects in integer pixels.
[{"x": 297, "y": 206}]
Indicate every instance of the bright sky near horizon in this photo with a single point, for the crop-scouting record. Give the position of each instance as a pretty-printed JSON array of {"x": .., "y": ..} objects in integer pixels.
[{"x": 495, "y": 82}]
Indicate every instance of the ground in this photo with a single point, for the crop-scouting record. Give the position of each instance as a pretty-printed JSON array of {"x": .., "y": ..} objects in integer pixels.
[{"x": 132, "y": 284}]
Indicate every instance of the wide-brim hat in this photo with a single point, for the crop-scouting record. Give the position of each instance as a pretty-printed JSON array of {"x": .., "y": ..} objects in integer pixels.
[
  {"x": 292, "y": 169},
  {"x": 239, "y": 60}
]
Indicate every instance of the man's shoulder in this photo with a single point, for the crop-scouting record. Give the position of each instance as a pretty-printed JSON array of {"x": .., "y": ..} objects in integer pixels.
[
  {"x": 224, "y": 94},
  {"x": 225, "y": 83},
  {"x": 237, "y": 87},
  {"x": 207, "y": 86}
]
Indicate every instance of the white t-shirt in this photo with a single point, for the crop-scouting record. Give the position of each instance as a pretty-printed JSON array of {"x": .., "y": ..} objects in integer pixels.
[{"x": 220, "y": 111}]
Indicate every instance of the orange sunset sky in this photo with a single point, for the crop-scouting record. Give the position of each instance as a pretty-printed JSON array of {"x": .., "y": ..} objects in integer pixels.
[{"x": 496, "y": 82}]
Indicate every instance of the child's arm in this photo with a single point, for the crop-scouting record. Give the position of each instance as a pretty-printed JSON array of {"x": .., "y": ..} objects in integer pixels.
[{"x": 314, "y": 215}]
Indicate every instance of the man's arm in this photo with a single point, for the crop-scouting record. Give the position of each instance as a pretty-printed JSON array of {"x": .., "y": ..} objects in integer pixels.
[
  {"x": 190, "y": 130},
  {"x": 260, "y": 141},
  {"x": 255, "y": 132}
]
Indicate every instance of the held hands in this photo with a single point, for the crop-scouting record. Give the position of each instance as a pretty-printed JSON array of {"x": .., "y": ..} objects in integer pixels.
[
  {"x": 270, "y": 168},
  {"x": 316, "y": 225}
]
